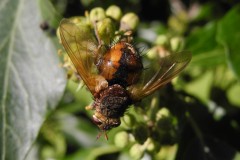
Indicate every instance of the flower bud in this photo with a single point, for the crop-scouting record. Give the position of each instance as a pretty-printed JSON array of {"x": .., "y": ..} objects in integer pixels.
[
  {"x": 150, "y": 146},
  {"x": 106, "y": 30},
  {"x": 158, "y": 52},
  {"x": 121, "y": 139},
  {"x": 114, "y": 12},
  {"x": 129, "y": 22},
  {"x": 140, "y": 133},
  {"x": 179, "y": 22},
  {"x": 153, "y": 146},
  {"x": 78, "y": 20},
  {"x": 156, "y": 135},
  {"x": 162, "y": 40},
  {"x": 152, "y": 53},
  {"x": 165, "y": 124},
  {"x": 177, "y": 43},
  {"x": 162, "y": 113},
  {"x": 128, "y": 120},
  {"x": 136, "y": 151},
  {"x": 48, "y": 152},
  {"x": 97, "y": 14},
  {"x": 164, "y": 120}
]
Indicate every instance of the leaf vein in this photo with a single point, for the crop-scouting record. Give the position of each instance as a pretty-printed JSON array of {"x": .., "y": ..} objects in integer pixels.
[{"x": 6, "y": 78}]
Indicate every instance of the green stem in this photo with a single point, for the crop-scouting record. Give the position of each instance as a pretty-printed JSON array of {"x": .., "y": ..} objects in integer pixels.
[
  {"x": 196, "y": 129},
  {"x": 101, "y": 151}
]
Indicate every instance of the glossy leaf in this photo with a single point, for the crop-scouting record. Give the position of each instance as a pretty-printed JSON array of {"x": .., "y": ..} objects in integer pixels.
[
  {"x": 31, "y": 80},
  {"x": 229, "y": 36},
  {"x": 202, "y": 40},
  {"x": 204, "y": 47}
]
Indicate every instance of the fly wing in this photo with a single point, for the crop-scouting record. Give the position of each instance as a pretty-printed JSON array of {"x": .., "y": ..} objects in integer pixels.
[
  {"x": 170, "y": 67},
  {"x": 81, "y": 46}
]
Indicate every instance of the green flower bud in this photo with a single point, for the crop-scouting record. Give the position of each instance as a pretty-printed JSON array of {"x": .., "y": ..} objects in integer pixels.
[
  {"x": 106, "y": 30},
  {"x": 128, "y": 121},
  {"x": 85, "y": 35},
  {"x": 162, "y": 113},
  {"x": 164, "y": 120},
  {"x": 97, "y": 14},
  {"x": 153, "y": 146},
  {"x": 114, "y": 12},
  {"x": 150, "y": 146},
  {"x": 156, "y": 135},
  {"x": 165, "y": 124},
  {"x": 140, "y": 133},
  {"x": 162, "y": 40},
  {"x": 158, "y": 52},
  {"x": 78, "y": 20},
  {"x": 48, "y": 152},
  {"x": 177, "y": 43},
  {"x": 129, "y": 22},
  {"x": 152, "y": 53},
  {"x": 136, "y": 151},
  {"x": 121, "y": 139},
  {"x": 169, "y": 138},
  {"x": 178, "y": 22}
]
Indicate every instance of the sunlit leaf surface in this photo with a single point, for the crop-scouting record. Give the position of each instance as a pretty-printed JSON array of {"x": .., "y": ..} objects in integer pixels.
[
  {"x": 229, "y": 35},
  {"x": 31, "y": 80}
]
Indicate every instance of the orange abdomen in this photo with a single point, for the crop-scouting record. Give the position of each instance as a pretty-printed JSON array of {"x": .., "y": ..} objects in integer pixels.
[{"x": 121, "y": 64}]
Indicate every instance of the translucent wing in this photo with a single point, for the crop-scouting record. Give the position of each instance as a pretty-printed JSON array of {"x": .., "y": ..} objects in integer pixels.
[
  {"x": 170, "y": 67},
  {"x": 81, "y": 46}
]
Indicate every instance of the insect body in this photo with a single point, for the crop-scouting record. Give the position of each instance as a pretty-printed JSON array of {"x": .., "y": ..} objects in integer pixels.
[
  {"x": 110, "y": 106},
  {"x": 121, "y": 64},
  {"x": 113, "y": 76}
]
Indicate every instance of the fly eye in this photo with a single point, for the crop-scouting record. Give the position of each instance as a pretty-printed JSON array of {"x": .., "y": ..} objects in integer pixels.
[
  {"x": 116, "y": 124},
  {"x": 96, "y": 121}
]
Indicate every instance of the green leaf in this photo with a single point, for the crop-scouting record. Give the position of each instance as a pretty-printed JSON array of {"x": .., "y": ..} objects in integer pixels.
[
  {"x": 93, "y": 153},
  {"x": 204, "y": 47},
  {"x": 228, "y": 34},
  {"x": 31, "y": 81},
  {"x": 202, "y": 40},
  {"x": 209, "y": 59},
  {"x": 206, "y": 12}
]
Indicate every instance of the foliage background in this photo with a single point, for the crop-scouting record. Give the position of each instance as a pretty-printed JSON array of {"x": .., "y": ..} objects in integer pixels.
[{"x": 200, "y": 110}]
